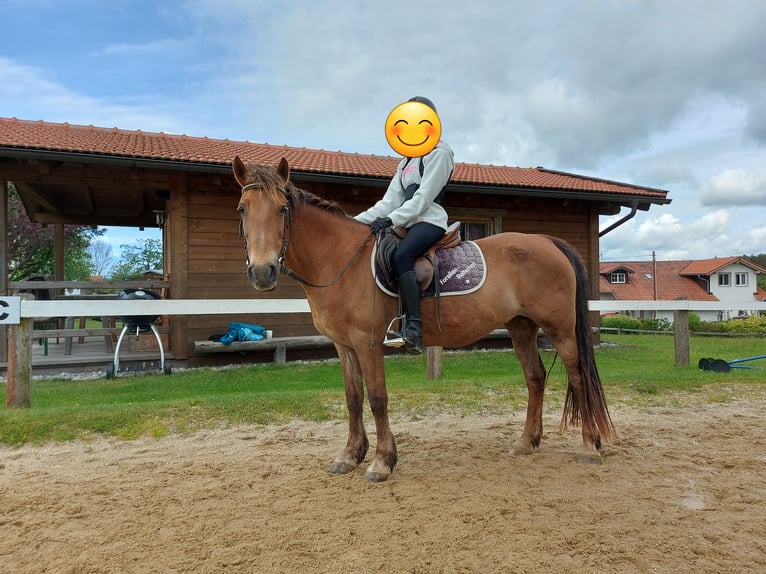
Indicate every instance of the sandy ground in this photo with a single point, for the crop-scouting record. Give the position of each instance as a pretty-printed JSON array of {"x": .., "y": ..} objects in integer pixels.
[{"x": 682, "y": 489}]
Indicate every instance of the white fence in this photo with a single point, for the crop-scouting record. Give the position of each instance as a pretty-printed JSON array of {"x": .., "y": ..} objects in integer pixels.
[
  {"x": 676, "y": 305},
  {"x": 19, "y": 337}
]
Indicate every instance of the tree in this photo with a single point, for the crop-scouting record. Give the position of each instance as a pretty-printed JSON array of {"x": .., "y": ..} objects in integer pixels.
[
  {"x": 759, "y": 260},
  {"x": 137, "y": 258},
  {"x": 31, "y": 245},
  {"x": 102, "y": 260}
]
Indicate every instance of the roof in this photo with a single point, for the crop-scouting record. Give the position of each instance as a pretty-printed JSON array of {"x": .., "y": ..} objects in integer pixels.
[
  {"x": 673, "y": 280},
  {"x": 22, "y": 136},
  {"x": 710, "y": 266},
  {"x": 670, "y": 284}
]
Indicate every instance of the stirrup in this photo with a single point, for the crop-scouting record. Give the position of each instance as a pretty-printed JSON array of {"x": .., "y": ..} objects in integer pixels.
[{"x": 395, "y": 339}]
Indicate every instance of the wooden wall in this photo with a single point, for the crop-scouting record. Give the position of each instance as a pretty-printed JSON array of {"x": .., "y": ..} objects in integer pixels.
[{"x": 205, "y": 255}]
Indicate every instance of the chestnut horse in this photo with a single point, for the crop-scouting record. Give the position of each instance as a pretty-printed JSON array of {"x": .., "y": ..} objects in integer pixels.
[{"x": 533, "y": 281}]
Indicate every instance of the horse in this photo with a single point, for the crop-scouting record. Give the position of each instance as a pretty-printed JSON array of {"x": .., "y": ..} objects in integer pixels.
[{"x": 532, "y": 282}]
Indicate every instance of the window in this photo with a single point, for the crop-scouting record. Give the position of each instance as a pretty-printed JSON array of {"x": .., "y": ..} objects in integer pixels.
[
  {"x": 740, "y": 279},
  {"x": 724, "y": 279},
  {"x": 476, "y": 223},
  {"x": 618, "y": 277},
  {"x": 471, "y": 230}
]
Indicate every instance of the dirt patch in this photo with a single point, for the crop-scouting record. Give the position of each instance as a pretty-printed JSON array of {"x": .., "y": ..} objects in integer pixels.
[{"x": 682, "y": 489}]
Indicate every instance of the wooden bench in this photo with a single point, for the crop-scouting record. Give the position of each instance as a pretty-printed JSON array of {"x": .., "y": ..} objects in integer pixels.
[{"x": 279, "y": 345}]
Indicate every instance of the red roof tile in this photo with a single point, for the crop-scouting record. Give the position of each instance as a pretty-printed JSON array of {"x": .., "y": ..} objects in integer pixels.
[
  {"x": 39, "y": 135},
  {"x": 709, "y": 266},
  {"x": 671, "y": 285}
]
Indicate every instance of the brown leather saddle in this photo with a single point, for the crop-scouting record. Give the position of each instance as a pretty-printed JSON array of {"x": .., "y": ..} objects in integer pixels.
[{"x": 426, "y": 266}]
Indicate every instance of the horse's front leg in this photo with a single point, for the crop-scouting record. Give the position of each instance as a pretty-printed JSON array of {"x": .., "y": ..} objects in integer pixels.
[
  {"x": 385, "y": 458},
  {"x": 524, "y": 336},
  {"x": 357, "y": 444}
]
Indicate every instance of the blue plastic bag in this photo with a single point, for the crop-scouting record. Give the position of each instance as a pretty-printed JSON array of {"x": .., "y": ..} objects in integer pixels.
[{"x": 243, "y": 332}]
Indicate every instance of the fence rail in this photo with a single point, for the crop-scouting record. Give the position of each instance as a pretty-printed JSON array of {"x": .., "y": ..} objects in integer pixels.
[{"x": 19, "y": 336}]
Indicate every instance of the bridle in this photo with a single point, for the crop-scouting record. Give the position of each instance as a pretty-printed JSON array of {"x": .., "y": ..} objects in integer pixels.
[{"x": 283, "y": 268}]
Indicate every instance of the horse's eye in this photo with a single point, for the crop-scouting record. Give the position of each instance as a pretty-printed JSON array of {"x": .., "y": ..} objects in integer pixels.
[
  {"x": 282, "y": 209},
  {"x": 241, "y": 209}
]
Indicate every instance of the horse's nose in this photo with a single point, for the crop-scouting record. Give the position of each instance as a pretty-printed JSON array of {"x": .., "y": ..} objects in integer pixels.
[{"x": 263, "y": 277}]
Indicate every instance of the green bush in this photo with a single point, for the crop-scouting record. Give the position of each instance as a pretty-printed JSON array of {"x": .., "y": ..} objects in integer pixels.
[
  {"x": 659, "y": 324},
  {"x": 620, "y": 322},
  {"x": 752, "y": 324},
  {"x": 695, "y": 323}
]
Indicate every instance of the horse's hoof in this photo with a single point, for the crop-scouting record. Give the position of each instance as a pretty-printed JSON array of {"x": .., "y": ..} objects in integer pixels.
[
  {"x": 375, "y": 477},
  {"x": 340, "y": 468},
  {"x": 522, "y": 449}
]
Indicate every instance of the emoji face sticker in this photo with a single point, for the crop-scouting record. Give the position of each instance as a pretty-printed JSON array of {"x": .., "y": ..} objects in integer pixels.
[{"x": 413, "y": 129}]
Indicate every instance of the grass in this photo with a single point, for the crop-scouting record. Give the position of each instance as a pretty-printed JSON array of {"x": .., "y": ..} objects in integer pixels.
[{"x": 637, "y": 370}]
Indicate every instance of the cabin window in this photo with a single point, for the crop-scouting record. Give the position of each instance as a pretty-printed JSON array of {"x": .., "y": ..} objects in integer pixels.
[
  {"x": 477, "y": 223},
  {"x": 724, "y": 279},
  {"x": 740, "y": 279},
  {"x": 618, "y": 277},
  {"x": 472, "y": 230}
]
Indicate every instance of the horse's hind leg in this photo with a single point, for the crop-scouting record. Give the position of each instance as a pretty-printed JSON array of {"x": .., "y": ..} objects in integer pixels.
[
  {"x": 357, "y": 445},
  {"x": 524, "y": 336},
  {"x": 567, "y": 349}
]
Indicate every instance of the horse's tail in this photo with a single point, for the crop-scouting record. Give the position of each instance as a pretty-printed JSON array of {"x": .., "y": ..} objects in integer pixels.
[{"x": 594, "y": 403}]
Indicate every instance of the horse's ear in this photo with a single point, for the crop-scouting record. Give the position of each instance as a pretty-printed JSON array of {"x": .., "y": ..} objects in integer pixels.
[
  {"x": 283, "y": 169},
  {"x": 239, "y": 170}
]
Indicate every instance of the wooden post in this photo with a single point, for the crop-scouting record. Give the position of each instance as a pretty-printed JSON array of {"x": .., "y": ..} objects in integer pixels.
[
  {"x": 3, "y": 261},
  {"x": 19, "y": 372},
  {"x": 435, "y": 366},
  {"x": 681, "y": 336}
]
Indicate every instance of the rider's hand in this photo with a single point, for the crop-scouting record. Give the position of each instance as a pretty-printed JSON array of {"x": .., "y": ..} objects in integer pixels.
[{"x": 380, "y": 224}]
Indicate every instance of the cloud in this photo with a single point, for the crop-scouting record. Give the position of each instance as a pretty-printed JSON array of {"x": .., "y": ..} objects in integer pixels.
[
  {"x": 671, "y": 238},
  {"x": 735, "y": 187},
  {"x": 662, "y": 94}
]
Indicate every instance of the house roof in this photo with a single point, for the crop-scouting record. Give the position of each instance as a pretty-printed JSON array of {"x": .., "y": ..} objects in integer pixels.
[
  {"x": 710, "y": 266},
  {"x": 670, "y": 284},
  {"x": 22, "y": 138},
  {"x": 672, "y": 279}
]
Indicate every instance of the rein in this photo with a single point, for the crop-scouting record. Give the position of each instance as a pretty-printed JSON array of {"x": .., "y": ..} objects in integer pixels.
[{"x": 286, "y": 240}]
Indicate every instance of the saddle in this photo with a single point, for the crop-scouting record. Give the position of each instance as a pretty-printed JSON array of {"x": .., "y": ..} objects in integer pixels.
[{"x": 426, "y": 266}]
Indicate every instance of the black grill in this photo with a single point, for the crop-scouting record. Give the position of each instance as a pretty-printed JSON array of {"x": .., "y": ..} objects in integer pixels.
[{"x": 139, "y": 323}]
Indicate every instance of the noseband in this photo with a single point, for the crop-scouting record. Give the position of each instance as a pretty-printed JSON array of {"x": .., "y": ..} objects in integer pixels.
[{"x": 286, "y": 240}]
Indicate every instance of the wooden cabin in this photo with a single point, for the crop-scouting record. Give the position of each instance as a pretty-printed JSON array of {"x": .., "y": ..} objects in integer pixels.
[{"x": 86, "y": 175}]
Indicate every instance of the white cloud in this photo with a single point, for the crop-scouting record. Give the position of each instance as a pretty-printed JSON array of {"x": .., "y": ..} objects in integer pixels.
[
  {"x": 735, "y": 187},
  {"x": 661, "y": 94}
]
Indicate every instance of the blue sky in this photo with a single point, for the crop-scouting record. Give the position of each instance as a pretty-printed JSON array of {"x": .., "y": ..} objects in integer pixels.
[{"x": 664, "y": 94}]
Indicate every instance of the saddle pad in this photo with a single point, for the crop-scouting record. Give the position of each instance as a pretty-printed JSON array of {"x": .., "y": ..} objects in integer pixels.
[{"x": 462, "y": 270}]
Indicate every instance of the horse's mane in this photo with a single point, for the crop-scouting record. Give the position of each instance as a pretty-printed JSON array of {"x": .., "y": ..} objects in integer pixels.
[{"x": 297, "y": 198}]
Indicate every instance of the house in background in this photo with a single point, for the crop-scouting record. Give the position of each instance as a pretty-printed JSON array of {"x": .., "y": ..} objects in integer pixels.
[{"x": 730, "y": 280}]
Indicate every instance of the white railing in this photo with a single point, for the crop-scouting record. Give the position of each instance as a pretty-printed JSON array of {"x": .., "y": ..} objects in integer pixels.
[
  {"x": 19, "y": 370},
  {"x": 123, "y": 307},
  {"x": 676, "y": 305}
]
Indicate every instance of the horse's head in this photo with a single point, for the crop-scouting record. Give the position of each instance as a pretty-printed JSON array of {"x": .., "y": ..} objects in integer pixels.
[{"x": 264, "y": 213}]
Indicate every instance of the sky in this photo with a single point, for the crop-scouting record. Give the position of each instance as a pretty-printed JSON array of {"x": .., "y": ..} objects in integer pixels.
[{"x": 669, "y": 94}]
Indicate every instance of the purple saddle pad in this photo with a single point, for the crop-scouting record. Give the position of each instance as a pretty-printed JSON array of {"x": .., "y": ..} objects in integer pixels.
[{"x": 462, "y": 270}]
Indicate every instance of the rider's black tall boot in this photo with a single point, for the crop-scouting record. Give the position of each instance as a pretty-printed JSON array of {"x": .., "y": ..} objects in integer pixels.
[{"x": 409, "y": 292}]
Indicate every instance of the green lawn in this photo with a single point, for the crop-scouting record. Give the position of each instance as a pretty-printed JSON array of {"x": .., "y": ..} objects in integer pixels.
[{"x": 637, "y": 370}]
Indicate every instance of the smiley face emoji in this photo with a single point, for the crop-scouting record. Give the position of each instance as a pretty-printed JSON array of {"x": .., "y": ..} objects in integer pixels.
[{"x": 413, "y": 129}]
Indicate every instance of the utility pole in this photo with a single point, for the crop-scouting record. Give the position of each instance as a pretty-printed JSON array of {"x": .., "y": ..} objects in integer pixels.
[{"x": 654, "y": 280}]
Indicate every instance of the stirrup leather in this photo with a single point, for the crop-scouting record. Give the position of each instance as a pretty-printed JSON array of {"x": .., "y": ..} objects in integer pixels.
[{"x": 394, "y": 338}]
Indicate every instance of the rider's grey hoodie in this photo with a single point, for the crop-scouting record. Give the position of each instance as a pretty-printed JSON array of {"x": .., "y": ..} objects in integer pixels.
[{"x": 437, "y": 168}]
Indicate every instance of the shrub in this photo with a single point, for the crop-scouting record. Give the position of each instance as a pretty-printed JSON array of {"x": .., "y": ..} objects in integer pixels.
[
  {"x": 659, "y": 324},
  {"x": 752, "y": 324},
  {"x": 620, "y": 322},
  {"x": 695, "y": 323}
]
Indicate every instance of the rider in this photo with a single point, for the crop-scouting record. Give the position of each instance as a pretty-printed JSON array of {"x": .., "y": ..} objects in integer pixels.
[{"x": 413, "y": 201}]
